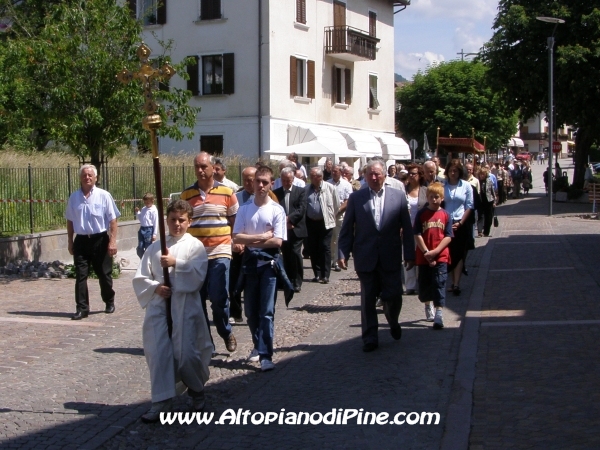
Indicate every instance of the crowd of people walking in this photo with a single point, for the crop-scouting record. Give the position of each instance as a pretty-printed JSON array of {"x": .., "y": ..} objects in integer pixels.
[{"x": 243, "y": 244}]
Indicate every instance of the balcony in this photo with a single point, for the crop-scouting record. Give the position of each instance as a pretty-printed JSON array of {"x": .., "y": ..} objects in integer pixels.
[
  {"x": 534, "y": 136},
  {"x": 350, "y": 44}
]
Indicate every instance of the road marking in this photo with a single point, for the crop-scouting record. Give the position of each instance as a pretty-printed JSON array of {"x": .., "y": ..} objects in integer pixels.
[
  {"x": 527, "y": 242},
  {"x": 532, "y": 269},
  {"x": 53, "y": 322},
  {"x": 540, "y": 323}
]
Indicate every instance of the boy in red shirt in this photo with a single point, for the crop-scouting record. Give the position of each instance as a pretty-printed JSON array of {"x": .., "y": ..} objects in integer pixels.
[{"x": 433, "y": 233}]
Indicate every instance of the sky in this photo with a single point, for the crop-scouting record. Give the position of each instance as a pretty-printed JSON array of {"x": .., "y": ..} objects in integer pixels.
[{"x": 430, "y": 31}]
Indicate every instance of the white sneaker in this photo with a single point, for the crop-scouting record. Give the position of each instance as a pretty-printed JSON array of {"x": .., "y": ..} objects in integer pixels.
[
  {"x": 429, "y": 314},
  {"x": 438, "y": 321},
  {"x": 379, "y": 303},
  {"x": 231, "y": 320},
  {"x": 266, "y": 364},
  {"x": 254, "y": 356}
]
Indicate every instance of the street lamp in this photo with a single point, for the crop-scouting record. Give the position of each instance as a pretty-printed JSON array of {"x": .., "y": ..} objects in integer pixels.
[{"x": 556, "y": 22}]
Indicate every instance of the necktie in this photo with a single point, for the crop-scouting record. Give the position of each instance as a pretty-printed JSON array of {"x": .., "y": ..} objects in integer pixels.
[{"x": 287, "y": 202}]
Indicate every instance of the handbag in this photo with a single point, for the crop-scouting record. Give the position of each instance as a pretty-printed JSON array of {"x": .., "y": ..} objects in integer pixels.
[{"x": 496, "y": 223}]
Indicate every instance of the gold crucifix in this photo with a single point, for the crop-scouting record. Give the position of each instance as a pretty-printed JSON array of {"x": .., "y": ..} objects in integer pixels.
[{"x": 147, "y": 75}]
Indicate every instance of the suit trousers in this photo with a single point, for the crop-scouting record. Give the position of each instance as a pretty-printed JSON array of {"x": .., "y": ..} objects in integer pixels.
[
  {"x": 387, "y": 285},
  {"x": 319, "y": 247},
  {"x": 235, "y": 299},
  {"x": 92, "y": 250},
  {"x": 292, "y": 259}
]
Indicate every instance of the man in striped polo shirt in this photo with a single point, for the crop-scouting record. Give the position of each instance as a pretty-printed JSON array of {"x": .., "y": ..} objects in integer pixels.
[{"x": 215, "y": 207}]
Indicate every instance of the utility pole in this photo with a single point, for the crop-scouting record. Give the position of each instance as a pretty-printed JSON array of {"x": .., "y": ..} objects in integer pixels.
[{"x": 463, "y": 54}]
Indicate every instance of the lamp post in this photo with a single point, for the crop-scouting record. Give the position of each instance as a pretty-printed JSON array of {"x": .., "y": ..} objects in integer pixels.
[{"x": 556, "y": 22}]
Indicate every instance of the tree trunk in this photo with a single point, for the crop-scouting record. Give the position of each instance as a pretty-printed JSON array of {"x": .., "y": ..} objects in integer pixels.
[{"x": 583, "y": 142}]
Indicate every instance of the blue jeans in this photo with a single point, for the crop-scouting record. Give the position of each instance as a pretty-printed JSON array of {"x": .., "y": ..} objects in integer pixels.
[
  {"x": 215, "y": 288},
  {"x": 260, "y": 291},
  {"x": 144, "y": 240}
]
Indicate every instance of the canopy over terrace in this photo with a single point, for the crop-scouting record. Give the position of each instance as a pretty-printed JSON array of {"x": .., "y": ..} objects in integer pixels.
[
  {"x": 394, "y": 147},
  {"x": 515, "y": 142}
]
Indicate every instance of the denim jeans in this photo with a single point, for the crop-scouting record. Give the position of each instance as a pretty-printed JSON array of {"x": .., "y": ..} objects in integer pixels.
[
  {"x": 144, "y": 240},
  {"x": 215, "y": 288},
  {"x": 260, "y": 291}
]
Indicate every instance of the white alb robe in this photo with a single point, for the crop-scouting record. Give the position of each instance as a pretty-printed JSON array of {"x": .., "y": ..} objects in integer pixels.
[{"x": 186, "y": 356}]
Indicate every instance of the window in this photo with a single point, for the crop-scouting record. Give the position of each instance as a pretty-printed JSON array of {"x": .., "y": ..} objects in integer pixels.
[
  {"x": 150, "y": 12},
  {"x": 373, "y": 102},
  {"x": 213, "y": 145},
  {"x": 341, "y": 84},
  {"x": 210, "y": 9},
  {"x": 372, "y": 23},
  {"x": 214, "y": 73},
  {"x": 302, "y": 77},
  {"x": 301, "y": 11}
]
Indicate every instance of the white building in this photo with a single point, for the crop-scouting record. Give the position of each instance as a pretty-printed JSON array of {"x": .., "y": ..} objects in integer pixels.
[
  {"x": 534, "y": 134},
  {"x": 276, "y": 73}
]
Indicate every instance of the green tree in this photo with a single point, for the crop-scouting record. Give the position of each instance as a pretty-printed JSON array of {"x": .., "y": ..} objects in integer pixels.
[
  {"x": 455, "y": 97},
  {"x": 63, "y": 79},
  {"x": 517, "y": 56}
]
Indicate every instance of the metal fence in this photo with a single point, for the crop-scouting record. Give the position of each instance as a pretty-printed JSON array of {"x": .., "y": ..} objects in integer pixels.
[{"x": 35, "y": 199}]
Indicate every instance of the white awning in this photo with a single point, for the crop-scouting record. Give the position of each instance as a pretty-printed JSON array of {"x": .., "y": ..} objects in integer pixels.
[
  {"x": 515, "y": 142},
  {"x": 315, "y": 148},
  {"x": 315, "y": 141},
  {"x": 394, "y": 147},
  {"x": 364, "y": 143}
]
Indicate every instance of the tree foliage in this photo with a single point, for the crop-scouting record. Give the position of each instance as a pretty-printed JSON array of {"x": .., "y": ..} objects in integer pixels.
[
  {"x": 455, "y": 97},
  {"x": 59, "y": 67},
  {"x": 517, "y": 56}
]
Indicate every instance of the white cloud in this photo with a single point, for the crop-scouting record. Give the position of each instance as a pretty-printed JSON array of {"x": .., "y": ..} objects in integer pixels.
[
  {"x": 472, "y": 10},
  {"x": 407, "y": 64},
  {"x": 467, "y": 39}
]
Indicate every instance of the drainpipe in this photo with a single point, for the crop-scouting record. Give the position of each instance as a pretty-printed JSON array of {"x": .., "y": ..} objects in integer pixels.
[{"x": 260, "y": 132}]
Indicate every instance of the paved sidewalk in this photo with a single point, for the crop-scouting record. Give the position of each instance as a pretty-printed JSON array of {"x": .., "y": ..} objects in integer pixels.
[{"x": 514, "y": 367}]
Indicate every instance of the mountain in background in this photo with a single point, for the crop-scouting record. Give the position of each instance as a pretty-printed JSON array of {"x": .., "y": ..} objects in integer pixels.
[{"x": 398, "y": 77}]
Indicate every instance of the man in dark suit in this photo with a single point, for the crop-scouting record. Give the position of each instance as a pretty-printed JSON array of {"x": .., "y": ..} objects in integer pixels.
[
  {"x": 295, "y": 210},
  {"x": 376, "y": 228}
]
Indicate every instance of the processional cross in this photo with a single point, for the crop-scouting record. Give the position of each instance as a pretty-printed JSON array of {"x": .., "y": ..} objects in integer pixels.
[{"x": 148, "y": 75}]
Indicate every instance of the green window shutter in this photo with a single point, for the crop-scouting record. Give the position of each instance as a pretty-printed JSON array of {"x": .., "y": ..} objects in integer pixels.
[
  {"x": 228, "y": 73},
  {"x": 193, "y": 71}
]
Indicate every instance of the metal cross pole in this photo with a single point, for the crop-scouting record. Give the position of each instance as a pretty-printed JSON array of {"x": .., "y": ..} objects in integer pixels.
[{"x": 152, "y": 122}]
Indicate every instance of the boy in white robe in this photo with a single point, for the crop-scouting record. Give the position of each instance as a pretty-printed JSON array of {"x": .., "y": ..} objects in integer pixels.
[{"x": 182, "y": 360}]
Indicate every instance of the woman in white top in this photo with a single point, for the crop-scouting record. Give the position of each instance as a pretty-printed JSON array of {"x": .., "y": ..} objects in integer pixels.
[{"x": 416, "y": 194}]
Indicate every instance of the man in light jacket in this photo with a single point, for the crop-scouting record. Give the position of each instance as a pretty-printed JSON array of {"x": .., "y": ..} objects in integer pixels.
[{"x": 322, "y": 205}]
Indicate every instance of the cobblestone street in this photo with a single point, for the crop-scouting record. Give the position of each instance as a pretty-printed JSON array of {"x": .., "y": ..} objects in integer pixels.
[{"x": 515, "y": 365}]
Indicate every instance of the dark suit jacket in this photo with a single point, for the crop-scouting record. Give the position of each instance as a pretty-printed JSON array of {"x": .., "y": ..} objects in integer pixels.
[
  {"x": 371, "y": 246},
  {"x": 297, "y": 212}
]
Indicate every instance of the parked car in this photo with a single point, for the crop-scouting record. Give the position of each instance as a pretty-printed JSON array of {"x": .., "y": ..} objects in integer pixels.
[{"x": 524, "y": 156}]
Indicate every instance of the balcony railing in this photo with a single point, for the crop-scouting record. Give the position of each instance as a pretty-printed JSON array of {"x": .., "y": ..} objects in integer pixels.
[
  {"x": 534, "y": 136},
  {"x": 350, "y": 43}
]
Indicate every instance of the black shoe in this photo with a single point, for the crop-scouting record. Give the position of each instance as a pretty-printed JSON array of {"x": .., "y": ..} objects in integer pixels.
[
  {"x": 315, "y": 280},
  {"x": 79, "y": 315},
  {"x": 369, "y": 347},
  {"x": 110, "y": 309},
  {"x": 396, "y": 333},
  {"x": 336, "y": 268},
  {"x": 465, "y": 271},
  {"x": 324, "y": 281},
  {"x": 410, "y": 292},
  {"x": 297, "y": 289}
]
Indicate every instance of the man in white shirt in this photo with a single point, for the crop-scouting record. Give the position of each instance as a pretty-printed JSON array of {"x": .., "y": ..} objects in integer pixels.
[
  {"x": 219, "y": 171},
  {"x": 343, "y": 189},
  {"x": 92, "y": 215},
  {"x": 260, "y": 225}
]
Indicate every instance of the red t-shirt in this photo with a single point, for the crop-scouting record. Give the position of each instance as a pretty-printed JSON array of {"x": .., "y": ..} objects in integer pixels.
[{"x": 433, "y": 226}]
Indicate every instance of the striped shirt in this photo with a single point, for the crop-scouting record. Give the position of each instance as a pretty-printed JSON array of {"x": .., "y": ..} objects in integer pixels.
[{"x": 209, "y": 219}]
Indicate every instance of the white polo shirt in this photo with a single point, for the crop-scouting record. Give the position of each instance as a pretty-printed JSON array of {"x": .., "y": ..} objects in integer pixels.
[{"x": 93, "y": 214}]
